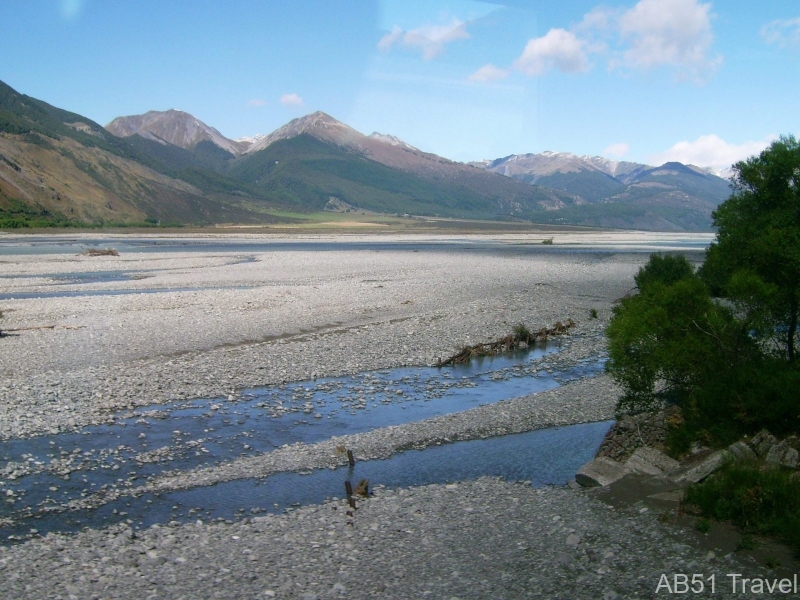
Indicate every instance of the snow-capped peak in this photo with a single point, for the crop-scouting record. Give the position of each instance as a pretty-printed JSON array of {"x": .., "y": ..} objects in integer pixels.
[
  {"x": 391, "y": 139},
  {"x": 251, "y": 139}
]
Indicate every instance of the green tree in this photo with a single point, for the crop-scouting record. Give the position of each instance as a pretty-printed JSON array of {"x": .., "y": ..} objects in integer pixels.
[
  {"x": 730, "y": 362},
  {"x": 755, "y": 261},
  {"x": 672, "y": 342},
  {"x": 670, "y": 338},
  {"x": 664, "y": 269}
]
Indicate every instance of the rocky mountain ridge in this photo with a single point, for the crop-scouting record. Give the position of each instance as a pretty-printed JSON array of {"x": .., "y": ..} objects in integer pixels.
[
  {"x": 173, "y": 127},
  {"x": 620, "y": 193},
  {"x": 318, "y": 124},
  {"x": 546, "y": 163},
  {"x": 56, "y": 165}
]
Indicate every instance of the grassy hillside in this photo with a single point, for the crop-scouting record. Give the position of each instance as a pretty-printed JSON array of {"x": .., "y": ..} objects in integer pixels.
[
  {"x": 61, "y": 168},
  {"x": 645, "y": 210},
  {"x": 58, "y": 167},
  {"x": 687, "y": 180},
  {"x": 306, "y": 172},
  {"x": 590, "y": 185}
]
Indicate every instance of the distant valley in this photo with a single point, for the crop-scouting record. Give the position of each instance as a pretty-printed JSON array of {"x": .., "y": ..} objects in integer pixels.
[{"x": 170, "y": 168}]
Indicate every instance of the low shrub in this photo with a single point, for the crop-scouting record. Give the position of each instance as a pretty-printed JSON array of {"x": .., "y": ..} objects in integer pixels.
[
  {"x": 522, "y": 333},
  {"x": 756, "y": 499}
]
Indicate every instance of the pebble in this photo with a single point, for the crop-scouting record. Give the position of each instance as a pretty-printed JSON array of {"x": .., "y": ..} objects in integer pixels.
[
  {"x": 425, "y": 542},
  {"x": 137, "y": 350},
  {"x": 322, "y": 313}
]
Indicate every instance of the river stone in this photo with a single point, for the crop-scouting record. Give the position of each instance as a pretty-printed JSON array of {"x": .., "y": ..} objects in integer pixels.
[
  {"x": 696, "y": 472},
  {"x": 742, "y": 451},
  {"x": 762, "y": 442},
  {"x": 600, "y": 472},
  {"x": 650, "y": 461},
  {"x": 782, "y": 454}
]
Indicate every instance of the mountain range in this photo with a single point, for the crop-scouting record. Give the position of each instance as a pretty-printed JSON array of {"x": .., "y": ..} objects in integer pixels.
[
  {"x": 620, "y": 193},
  {"x": 168, "y": 167}
]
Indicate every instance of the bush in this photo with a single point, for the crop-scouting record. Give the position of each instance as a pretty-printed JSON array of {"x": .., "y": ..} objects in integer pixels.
[
  {"x": 672, "y": 343},
  {"x": 765, "y": 502},
  {"x": 669, "y": 337},
  {"x": 13, "y": 223},
  {"x": 522, "y": 333},
  {"x": 703, "y": 525},
  {"x": 664, "y": 269}
]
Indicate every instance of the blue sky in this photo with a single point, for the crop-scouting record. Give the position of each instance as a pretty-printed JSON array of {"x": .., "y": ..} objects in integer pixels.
[{"x": 650, "y": 80}]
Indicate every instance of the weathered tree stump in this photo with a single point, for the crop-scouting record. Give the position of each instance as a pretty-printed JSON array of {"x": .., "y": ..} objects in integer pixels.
[{"x": 362, "y": 489}]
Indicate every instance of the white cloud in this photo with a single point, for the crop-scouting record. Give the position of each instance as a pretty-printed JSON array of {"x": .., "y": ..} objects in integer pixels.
[
  {"x": 783, "y": 33},
  {"x": 652, "y": 34},
  {"x": 291, "y": 100},
  {"x": 390, "y": 39},
  {"x": 558, "y": 49},
  {"x": 711, "y": 151},
  {"x": 599, "y": 19},
  {"x": 617, "y": 150},
  {"x": 256, "y": 103},
  {"x": 429, "y": 40},
  {"x": 488, "y": 73},
  {"x": 673, "y": 33}
]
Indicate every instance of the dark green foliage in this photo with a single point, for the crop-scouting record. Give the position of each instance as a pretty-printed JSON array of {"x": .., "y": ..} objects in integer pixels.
[
  {"x": 16, "y": 214},
  {"x": 522, "y": 333},
  {"x": 755, "y": 261},
  {"x": 665, "y": 269},
  {"x": 730, "y": 364},
  {"x": 765, "y": 502},
  {"x": 671, "y": 334},
  {"x": 703, "y": 525},
  {"x": 746, "y": 543},
  {"x": 755, "y": 393},
  {"x": 37, "y": 139},
  {"x": 10, "y": 163},
  {"x": 672, "y": 342}
]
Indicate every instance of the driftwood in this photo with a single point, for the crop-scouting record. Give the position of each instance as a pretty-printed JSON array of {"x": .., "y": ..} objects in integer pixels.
[
  {"x": 101, "y": 252},
  {"x": 507, "y": 343},
  {"x": 46, "y": 327}
]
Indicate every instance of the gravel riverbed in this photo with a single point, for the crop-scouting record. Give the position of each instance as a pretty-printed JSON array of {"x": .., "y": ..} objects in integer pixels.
[
  {"x": 246, "y": 319},
  {"x": 284, "y": 316},
  {"x": 481, "y": 539}
]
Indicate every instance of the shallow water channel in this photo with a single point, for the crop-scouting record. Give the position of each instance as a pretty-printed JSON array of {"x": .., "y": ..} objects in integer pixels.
[
  {"x": 79, "y": 278},
  {"x": 43, "y": 479}
]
